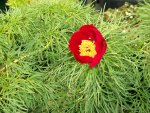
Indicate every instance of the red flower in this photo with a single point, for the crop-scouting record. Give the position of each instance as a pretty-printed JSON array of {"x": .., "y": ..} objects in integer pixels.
[{"x": 88, "y": 45}]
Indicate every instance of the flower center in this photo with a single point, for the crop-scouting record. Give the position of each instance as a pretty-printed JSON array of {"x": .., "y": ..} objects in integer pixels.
[{"x": 87, "y": 48}]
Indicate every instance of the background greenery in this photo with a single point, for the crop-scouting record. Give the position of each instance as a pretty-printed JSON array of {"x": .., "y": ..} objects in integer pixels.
[
  {"x": 14, "y": 3},
  {"x": 38, "y": 74}
]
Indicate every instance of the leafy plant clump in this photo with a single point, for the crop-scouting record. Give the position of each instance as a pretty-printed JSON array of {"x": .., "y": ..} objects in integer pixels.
[{"x": 39, "y": 74}]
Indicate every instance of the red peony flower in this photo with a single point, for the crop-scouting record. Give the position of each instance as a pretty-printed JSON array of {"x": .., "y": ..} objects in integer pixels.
[{"x": 88, "y": 45}]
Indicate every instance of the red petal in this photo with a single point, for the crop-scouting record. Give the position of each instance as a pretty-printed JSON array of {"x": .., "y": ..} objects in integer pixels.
[
  {"x": 83, "y": 59},
  {"x": 76, "y": 40},
  {"x": 99, "y": 55},
  {"x": 92, "y": 31}
]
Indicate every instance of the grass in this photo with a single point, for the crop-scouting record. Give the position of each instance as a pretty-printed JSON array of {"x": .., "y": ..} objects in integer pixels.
[{"x": 39, "y": 75}]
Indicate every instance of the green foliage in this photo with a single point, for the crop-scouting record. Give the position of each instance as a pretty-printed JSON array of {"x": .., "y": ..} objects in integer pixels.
[
  {"x": 38, "y": 73},
  {"x": 14, "y": 3}
]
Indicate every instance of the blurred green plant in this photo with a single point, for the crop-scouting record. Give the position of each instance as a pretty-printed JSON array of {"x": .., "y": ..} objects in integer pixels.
[
  {"x": 16, "y": 3},
  {"x": 39, "y": 75}
]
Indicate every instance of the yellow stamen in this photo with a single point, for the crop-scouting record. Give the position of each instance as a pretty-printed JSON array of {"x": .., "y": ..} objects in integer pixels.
[{"x": 87, "y": 48}]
